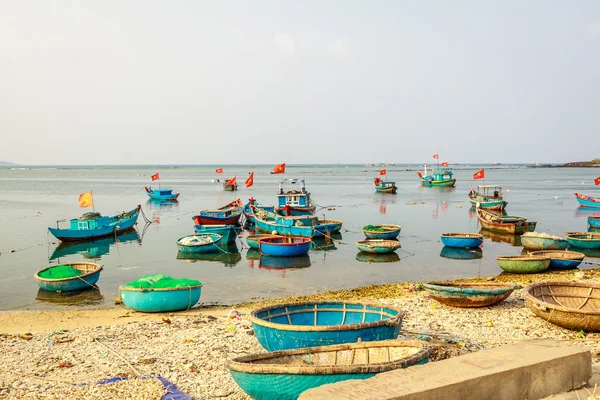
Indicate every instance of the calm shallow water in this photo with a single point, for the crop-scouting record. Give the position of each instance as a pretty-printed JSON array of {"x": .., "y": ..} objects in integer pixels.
[{"x": 33, "y": 199}]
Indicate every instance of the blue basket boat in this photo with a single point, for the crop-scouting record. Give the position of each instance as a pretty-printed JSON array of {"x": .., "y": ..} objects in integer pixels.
[
  {"x": 284, "y": 246},
  {"x": 561, "y": 259},
  {"x": 284, "y": 375},
  {"x": 161, "y": 194},
  {"x": 228, "y": 232},
  {"x": 542, "y": 241},
  {"x": 469, "y": 294},
  {"x": 584, "y": 240},
  {"x": 160, "y": 300},
  {"x": 379, "y": 246},
  {"x": 463, "y": 240},
  {"x": 199, "y": 243},
  {"x": 385, "y": 231},
  {"x": 594, "y": 222},
  {"x": 90, "y": 273},
  {"x": 296, "y": 325},
  {"x": 587, "y": 201}
]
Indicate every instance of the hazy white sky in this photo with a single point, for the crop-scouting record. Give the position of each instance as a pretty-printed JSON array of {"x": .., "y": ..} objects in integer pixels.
[{"x": 199, "y": 82}]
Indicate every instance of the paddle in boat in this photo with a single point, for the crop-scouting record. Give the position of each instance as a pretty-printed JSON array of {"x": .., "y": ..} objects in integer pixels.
[
  {"x": 488, "y": 197},
  {"x": 160, "y": 293},
  {"x": 284, "y": 246},
  {"x": 68, "y": 277},
  {"x": 230, "y": 185},
  {"x": 228, "y": 232},
  {"x": 380, "y": 246},
  {"x": 285, "y": 375},
  {"x": 161, "y": 194},
  {"x": 512, "y": 225},
  {"x": 523, "y": 264},
  {"x": 584, "y": 240},
  {"x": 542, "y": 241},
  {"x": 272, "y": 223},
  {"x": 386, "y": 186},
  {"x": 462, "y": 240},
  {"x": 229, "y": 214},
  {"x": 294, "y": 202},
  {"x": 587, "y": 201},
  {"x": 441, "y": 176},
  {"x": 252, "y": 204},
  {"x": 561, "y": 259},
  {"x": 469, "y": 294},
  {"x": 206, "y": 243},
  {"x": 385, "y": 231},
  {"x": 593, "y": 222}
]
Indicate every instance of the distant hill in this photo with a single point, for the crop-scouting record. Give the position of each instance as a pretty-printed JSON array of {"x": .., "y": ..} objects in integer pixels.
[
  {"x": 594, "y": 163},
  {"x": 6, "y": 163}
]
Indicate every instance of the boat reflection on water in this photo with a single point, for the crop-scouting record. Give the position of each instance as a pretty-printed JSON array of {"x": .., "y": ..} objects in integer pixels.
[
  {"x": 155, "y": 204},
  {"x": 229, "y": 255},
  {"x": 84, "y": 297},
  {"x": 95, "y": 249},
  {"x": 363, "y": 256},
  {"x": 325, "y": 243},
  {"x": 593, "y": 229},
  {"x": 253, "y": 254},
  {"x": 461, "y": 254},
  {"x": 513, "y": 240},
  {"x": 285, "y": 263},
  {"x": 584, "y": 212}
]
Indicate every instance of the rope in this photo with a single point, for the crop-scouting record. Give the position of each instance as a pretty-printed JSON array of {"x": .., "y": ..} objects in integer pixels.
[
  {"x": 144, "y": 215},
  {"x": 120, "y": 356}
]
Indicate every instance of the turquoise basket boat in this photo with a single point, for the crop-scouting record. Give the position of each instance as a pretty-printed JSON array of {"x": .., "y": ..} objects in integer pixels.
[
  {"x": 207, "y": 243},
  {"x": 385, "y": 231},
  {"x": 90, "y": 273},
  {"x": 594, "y": 222},
  {"x": 160, "y": 300},
  {"x": 469, "y": 294},
  {"x": 561, "y": 259},
  {"x": 462, "y": 240},
  {"x": 379, "y": 246},
  {"x": 584, "y": 240},
  {"x": 541, "y": 241},
  {"x": 284, "y": 375},
  {"x": 322, "y": 323}
]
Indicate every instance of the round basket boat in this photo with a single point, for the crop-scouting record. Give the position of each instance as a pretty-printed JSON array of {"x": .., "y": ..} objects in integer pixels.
[
  {"x": 385, "y": 231},
  {"x": 160, "y": 300},
  {"x": 464, "y": 240},
  {"x": 523, "y": 264},
  {"x": 289, "y": 246},
  {"x": 541, "y": 241},
  {"x": 561, "y": 259},
  {"x": 296, "y": 325},
  {"x": 252, "y": 240},
  {"x": 380, "y": 246},
  {"x": 284, "y": 375},
  {"x": 584, "y": 240},
  {"x": 204, "y": 243},
  {"x": 90, "y": 273},
  {"x": 571, "y": 305},
  {"x": 469, "y": 294}
]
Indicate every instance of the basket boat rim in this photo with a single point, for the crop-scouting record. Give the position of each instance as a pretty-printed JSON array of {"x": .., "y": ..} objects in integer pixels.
[{"x": 97, "y": 268}]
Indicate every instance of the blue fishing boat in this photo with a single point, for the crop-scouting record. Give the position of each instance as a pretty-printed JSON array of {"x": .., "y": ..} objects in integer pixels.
[
  {"x": 284, "y": 246},
  {"x": 294, "y": 202},
  {"x": 296, "y": 325},
  {"x": 325, "y": 228},
  {"x": 469, "y": 294},
  {"x": 161, "y": 194},
  {"x": 287, "y": 226},
  {"x": 462, "y": 240},
  {"x": 561, "y": 259},
  {"x": 384, "y": 231},
  {"x": 593, "y": 222},
  {"x": 542, "y": 241},
  {"x": 160, "y": 300},
  {"x": 90, "y": 273},
  {"x": 228, "y": 232},
  {"x": 229, "y": 214},
  {"x": 206, "y": 243},
  {"x": 587, "y": 201},
  {"x": 489, "y": 197},
  {"x": 584, "y": 240},
  {"x": 337, "y": 225},
  {"x": 379, "y": 246},
  {"x": 441, "y": 176},
  {"x": 382, "y": 186},
  {"x": 92, "y": 226},
  {"x": 252, "y": 204},
  {"x": 285, "y": 375}
]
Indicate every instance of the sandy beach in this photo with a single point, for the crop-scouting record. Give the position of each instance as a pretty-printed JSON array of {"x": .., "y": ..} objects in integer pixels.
[{"x": 45, "y": 352}]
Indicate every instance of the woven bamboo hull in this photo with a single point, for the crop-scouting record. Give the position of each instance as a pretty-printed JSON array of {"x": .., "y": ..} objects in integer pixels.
[
  {"x": 561, "y": 259},
  {"x": 89, "y": 277},
  {"x": 209, "y": 247},
  {"x": 378, "y": 246},
  {"x": 252, "y": 240},
  {"x": 590, "y": 240},
  {"x": 537, "y": 243},
  {"x": 468, "y": 295},
  {"x": 594, "y": 222},
  {"x": 160, "y": 300},
  {"x": 463, "y": 241},
  {"x": 391, "y": 232},
  {"x": 523, "y": 264}
]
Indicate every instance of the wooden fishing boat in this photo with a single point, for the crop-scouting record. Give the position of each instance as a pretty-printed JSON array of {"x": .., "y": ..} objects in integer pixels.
[
  {"x": 90, "y": 273},
  {"x": 504, "y": 224},
  {"x": 487, "y": 197},
  {"x": 228, "y": 232},
  {"x": 161, "y": 194},
  {"x": 587, "y": 201},
  {"x": 469, "y": 294},
  {"x": 93, "y": 226},
  {"x": 303, "y": 226},
  {"x": 284, "y": 263},
  {"x": 250, "y": 205},
  {"x": 456, "y": 253},
  {"x": 584, "y": 240},
  {"x": 206, "y": 243},
  {"x": 594, "y": 222},
  {"x": 229, "y": 214},
  {"x": 375, "y": 258},
  {"x": 284, "y": 375},
  {"x": 380, "y": 246},
  {"x": 463, "y": 240},
  {"x": 571, "y": 305},
  {"x": 542, "y": 241},
  {"x": 441, "y": 176},
  {"x": 384, "y": 186},
  {"x": 284, "y": 246},
  {"x": 297, "y": 325},
  {"x": 523, "y": 264},
  {"x": 252, "y": 240},
  {"x": 160, "y": 300},
  {"x": 294, "y": 202},
  {"x": 337, "y": 225},
  {"x": 324, "y": 228},
  {"x": 561, "y": 259},
  {"x": 385, "y": 231}
]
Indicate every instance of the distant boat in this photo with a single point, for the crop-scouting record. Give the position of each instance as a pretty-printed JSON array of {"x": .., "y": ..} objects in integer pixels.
[
  {"x": 382, "y": 186},
  {"x": 587, "y": 201},
  {"x": 229, "y": 214},
  {"x": 441, "y": 176},
  {"x": 496, "y": 163},
  {"x": 161, "y": 194},
  {"x": 92, "y": 225},
  {"x": 488, "y": 197},
  {"x": 229, "y": 188},
  {"x": 294, "y": 202}
]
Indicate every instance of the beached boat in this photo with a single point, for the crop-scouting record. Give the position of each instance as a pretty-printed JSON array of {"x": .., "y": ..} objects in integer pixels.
[
  {"x": 294, "y": 202},
  {"x": 252, "y": 204},
  {"x": 561, "y": 259},
  {"x": 469, "y": 294},
  {"x": 463, "y": 240},
  {"x": 385, "y": 231},
  {"x": 252, "y": 240},
  {"x": 90, "y": 273},
  {"x": 504, "y": 223},
  {"x": 584, "y": 240},
  {"x": 587, "y": 201},
  {"x": 376, "y": 258},
  {"x": 441, "y": 176},
  {"x": 267, "y": 222},
  {"x": 228, "y": 232},
  {"x": 297, "y": 325},
  {"x": 488, "y": 197},
  {"x": 284, "y": 246},
  {"x": 456, "y": 253},
  {"x": 379, "y": 246},
  {"x": 571, "y": 305},
  {"x": 284, "y": 263},
  {"x": 593, "y": 222},
  {"x": 92, "y": 226},
  {"x": 206, "y": 243},
  {"x": 161, "y": 194},
  {"x": 382, "y": 186},
  {"x": 284, "y": 375},
  {"x": 160, "y": 300},
  {"x": 543, "y": 241},
  {"x": 523, "y": 264},
  {"x": 229, "y": 214}
]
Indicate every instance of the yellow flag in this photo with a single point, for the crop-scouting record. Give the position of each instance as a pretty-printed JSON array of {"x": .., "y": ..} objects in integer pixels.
[{"x": 86, "y": 200}]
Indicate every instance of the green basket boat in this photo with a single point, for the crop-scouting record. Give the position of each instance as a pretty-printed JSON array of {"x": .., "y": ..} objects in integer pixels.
[
  {"x": 380, "y": 246},
  {"x": 523, "y": 264}
]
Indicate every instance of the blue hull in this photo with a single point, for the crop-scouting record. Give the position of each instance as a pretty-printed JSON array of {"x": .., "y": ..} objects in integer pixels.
[
  {"x": 564, "y": 264},
  {"x": 393, "y": 234},
  {"x": 160, "y": 300},
  {"x": 322, "y": 230},
  {"x": 594, "y": 222},
  {"x": 115, "y": 227},
  {"x": 209, "y": 247},
  {"x": 70, "y": 284},
  {"x": 588, "y": 203},
  {"x": 269, "y": 227},
  {"x": 543, "y": 243},
  {"x": 228, "y": 232},
  {"x": 582, "y": 244},
  {"x": 287, "y": 250},
  {"x": 159, "y": 197},
  {"x": 462, "y": 243}
]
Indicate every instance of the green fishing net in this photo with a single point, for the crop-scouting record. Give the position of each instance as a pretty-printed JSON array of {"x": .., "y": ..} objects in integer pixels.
[
  {"x": 160, "y": 281},
  {"x": 60, "y": 272},
  {"x": 375, "y": 228}
]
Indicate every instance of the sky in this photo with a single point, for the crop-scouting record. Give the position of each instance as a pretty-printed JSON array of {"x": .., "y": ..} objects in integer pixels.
[{"x": 324, "y": 81}]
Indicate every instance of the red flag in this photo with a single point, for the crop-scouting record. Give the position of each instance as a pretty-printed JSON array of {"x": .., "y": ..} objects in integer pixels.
[
  {"x": 420, "y": 174},
  {"x": 279, "y": 169},
  {"x": 597, "y": 181},
  {"x": 479, "y": 174},
  {"x": 250, "y": 180},
  {"x": 232, "y": 181},
  {"x": 436, "y": 156},
  {"x": 219, "y": 170},
  {"x": 154, "y": 177},
  {"x": 445, "y": 164},
  {"x": 86, "y": 200},
  {"x": 382, "y": 171}
]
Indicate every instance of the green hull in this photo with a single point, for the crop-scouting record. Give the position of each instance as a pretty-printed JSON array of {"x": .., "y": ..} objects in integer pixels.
[{"x": 523, "y": 265}]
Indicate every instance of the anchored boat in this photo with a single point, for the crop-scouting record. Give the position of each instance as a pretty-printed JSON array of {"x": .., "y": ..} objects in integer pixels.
[
  {"x": 284, "y": 246},
  {"x": 229, "y": 214},
  {"x": 594, "y": 222},
  {"x": 83, "y": 275},
  {"x": 561, "y": 259},
  {"x": 228, "y": 232},
  {"x": 543, "y": 241},
  {"x": 441, "y": 176},
  {"x": 385, "y": 231},
  {"x": 206, "y": 243},
  {"x": 380, "y": 246},
  {"x": 504, "y": 224},
  {"x": 382, "y": 186},
  {"x": 251, "y": 205},
  {"x": 587, "y": 201},
  {"x": 488, "y": 197},
  {"x": 161, "y": 194},
  {"x": 463, "y": 240},
  {"x": 267, "y": 222},
  {"x": 294, "y": 202},
  {"x": 584, "y": 240}
]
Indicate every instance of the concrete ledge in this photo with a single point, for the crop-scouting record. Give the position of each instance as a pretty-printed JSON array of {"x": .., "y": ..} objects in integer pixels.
[{"x": 531, "y": 370}]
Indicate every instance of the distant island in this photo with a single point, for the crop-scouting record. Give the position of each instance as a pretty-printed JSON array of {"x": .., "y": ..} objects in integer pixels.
[{"x": 595, "y": 163}]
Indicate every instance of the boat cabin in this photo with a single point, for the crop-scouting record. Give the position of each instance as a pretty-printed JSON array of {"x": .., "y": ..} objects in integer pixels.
[
  {"x": 162, "y": 192},
  {"x": 442, "y": 174},
  {"x": 490, "y": 191},
  {"x": 293, "y": 198},
  {"x": 386, "y": 184},
  {"x": 89, "y": 221}
]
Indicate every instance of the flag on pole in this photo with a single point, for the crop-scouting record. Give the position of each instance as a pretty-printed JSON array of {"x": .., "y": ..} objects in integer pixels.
[
  {"x": 445, "y": 164},
  {"x": 279, "y": 169},
  {"x": 86, "y": 200},
  {"x": 232, "y": 181},
  {"x": 382, "y": 171},
  {"x": 250, "y": 180},
  {"x": 479, "y": 174},
  {"x": 219, "y": 170},
  {"x": 436, "y": 156},
  {"x": 154, "y": 177},
  {"x": 597, "y": 181}
]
